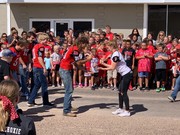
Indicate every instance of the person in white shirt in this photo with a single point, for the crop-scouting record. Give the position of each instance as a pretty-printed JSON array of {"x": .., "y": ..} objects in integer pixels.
[{"x": 119, "y": 64}]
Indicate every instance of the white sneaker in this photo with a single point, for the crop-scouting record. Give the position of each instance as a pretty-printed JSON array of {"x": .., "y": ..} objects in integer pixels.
[
  {"x": 125, "y": 114},
  {"x": 62, "y": 84},
  {"x": 118, "y": 111},
  {"x": 53, "y": 86}
]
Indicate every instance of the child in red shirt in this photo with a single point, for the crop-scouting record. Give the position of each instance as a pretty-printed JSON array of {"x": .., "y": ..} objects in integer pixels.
[
  {"x": 144, "y": 55},
  {"x": 101, "y": 55}
]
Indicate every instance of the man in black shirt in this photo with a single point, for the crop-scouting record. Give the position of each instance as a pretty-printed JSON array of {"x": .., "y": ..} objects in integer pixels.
[{"x": 7, "y": 56}]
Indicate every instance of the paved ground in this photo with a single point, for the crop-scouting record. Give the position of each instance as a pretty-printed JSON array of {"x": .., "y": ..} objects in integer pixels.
[{"x": 152, "y": 114}]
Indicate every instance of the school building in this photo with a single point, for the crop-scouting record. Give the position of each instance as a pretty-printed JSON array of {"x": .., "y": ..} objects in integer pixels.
[{"x": 80, "y": 15}]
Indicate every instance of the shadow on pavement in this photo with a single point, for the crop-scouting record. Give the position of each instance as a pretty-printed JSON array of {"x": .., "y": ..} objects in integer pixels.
[
  {"x": 83, "y": 109},
  {"x": 137, "y": 108},
  {"x": 37, "y": 118}
]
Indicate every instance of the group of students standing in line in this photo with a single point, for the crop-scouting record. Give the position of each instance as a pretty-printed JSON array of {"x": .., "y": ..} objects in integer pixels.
[{"x": 49, "y": 59}]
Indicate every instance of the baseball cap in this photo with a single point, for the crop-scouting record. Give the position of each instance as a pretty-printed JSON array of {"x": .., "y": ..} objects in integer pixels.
[{"x": 7, "y": 53}]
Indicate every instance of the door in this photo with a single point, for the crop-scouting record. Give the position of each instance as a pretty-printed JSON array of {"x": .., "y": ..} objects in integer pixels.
[{"x": 60, "y": 27}]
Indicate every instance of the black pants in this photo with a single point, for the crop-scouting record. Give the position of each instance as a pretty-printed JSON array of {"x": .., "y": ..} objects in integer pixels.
[{"x": 123, "y": 88}]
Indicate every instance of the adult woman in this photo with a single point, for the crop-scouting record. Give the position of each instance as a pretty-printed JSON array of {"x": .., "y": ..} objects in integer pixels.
[
  {"x": 118, "y": 63},
  {"x": 66, "y": 72},
  {"x": 160, "y": 37},
  {"x": 10, "y": 121}
]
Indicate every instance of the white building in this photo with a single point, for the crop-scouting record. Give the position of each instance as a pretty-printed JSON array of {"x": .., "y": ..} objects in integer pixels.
[{"x": 121, "y": 15}]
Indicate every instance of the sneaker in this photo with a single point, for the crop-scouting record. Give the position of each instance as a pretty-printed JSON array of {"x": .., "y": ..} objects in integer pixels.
[
  {"x": 108, "y": 87},
  {"x": 70, "y": 114},
  {"x": 74, "y": 109},
  {"x": 53, "y": 86},
  {"x": 115, "y": 89},
  {"x": 80, "y": 85},
  {"x": 158, "y": 89},
  {"x": 48, "y": 104},
  {"x": 74, "y": 86},
  {"x": 118, "y": 111},
  {"x": 62, "y": 84},
  {"x": 59, "y": 85},
  {"x": 141, "y": 89},
  {"x": 162, "y": 89},
  {"x": 31, "y": 104},
  {"x": 171, "y": 99},
  {"x": 125, "y": 114},
  {"x": 147, "y": 88},
  {"x": 93, "y": 88}
]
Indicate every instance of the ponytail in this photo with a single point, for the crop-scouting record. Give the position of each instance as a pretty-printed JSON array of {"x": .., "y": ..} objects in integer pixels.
[{"x": 4, "y": 116}]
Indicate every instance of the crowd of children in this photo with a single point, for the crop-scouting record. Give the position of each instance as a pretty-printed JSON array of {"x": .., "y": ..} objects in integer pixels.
[{"x": 153, "y": 61}]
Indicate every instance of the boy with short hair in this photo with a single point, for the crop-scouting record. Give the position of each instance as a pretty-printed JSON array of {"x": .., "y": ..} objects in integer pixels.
[
  {"x": 160, "y": 59},
  {"x": 144, "y": 56}
]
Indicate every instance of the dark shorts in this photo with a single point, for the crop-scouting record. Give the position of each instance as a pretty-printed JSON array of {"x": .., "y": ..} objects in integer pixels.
[
  {"x": 57, "y": 67},
  {"x": 160, "y": 74},
  {"x": 95, "y": 74}
]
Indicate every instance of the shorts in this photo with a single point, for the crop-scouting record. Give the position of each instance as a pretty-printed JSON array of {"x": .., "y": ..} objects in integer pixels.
[
  {"x": 87, "y": 74},
  {"x": 57, "y": 67},
  {"x": 161, "y": 75},
  {"x": 143, "y": 74},
  {"x": 102, "y": 73},
  {"x": 95, "y": 74},
  {"x": 111, "y": 74}
]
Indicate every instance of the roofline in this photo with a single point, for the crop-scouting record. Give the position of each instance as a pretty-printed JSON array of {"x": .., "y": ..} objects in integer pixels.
[{"x": 94, "y": 1}]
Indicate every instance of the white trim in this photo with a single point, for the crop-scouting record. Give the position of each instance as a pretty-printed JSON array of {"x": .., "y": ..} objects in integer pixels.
[
  {"x": 8, "y": 18},
  {"x": 65, "y": 20},
  {"x": 145, "y": 21},
  {"x": 96, "y": 1}
]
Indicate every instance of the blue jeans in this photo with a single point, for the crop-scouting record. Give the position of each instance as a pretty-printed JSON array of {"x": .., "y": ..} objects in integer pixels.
[
  {"x": 176, "y": 88},
  {"x": 66, "y": 76},
  {"x": 23, "y": 79},
  {"x": 39, "y": 81}
]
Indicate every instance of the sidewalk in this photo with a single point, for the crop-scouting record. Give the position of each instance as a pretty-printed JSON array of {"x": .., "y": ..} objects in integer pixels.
[{"x": 152, "y": 114}]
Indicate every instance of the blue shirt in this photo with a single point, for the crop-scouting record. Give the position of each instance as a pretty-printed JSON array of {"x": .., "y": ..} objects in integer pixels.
[{"x": 47, "y": 63}]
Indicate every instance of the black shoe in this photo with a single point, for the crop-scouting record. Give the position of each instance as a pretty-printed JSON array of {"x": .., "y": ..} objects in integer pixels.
[
  {"x": 141, "y": 89},
  {"x": 48, "y": 104},
  {"x": 93, "y": 88},
  {"x": 147, "y": 88}
]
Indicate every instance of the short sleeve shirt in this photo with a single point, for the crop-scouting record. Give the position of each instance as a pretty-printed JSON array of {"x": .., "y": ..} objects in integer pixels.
[
  {"x": 121, "y": 66},
  {"x": 160, "y": 64}
]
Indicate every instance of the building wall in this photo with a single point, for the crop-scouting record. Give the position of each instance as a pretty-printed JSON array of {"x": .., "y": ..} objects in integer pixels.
[
  {"x": 3, "y": 18},
  {"x": 121, "y": 17}
]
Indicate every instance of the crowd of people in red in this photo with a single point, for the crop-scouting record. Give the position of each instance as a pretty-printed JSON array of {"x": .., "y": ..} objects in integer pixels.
[{"x": 152, "y": 60}]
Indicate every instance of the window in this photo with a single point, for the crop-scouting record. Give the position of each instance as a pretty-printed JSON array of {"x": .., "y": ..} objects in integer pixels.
[
  {"x": 41, "y": 26},
  {"x": 173, "y": 20},
  {"x": 58, "y": 26},
  {"x": 81, "y": 26},
  {"x": 156, "y": 19},
  {"x": 165, "y": 18}
]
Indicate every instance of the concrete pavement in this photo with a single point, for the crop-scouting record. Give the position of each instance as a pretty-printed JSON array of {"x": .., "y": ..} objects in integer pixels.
[{"x": 152, "y": 114}]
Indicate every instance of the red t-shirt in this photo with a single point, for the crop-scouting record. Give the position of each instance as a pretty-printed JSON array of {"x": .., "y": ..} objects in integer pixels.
[
  {"x": 144, "y": 65},
  {"x": 14, "y": 65},
  {"x": 69, "y": 58},
  {"x": 48, "y": 48},
  {"x": 25, "y": 53},
  {"x": 88, "y": 66},
  {"x": 110, "y": 36},
  {"x": 38, "y": 51},
  {"x": 151, "y": 48}
]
